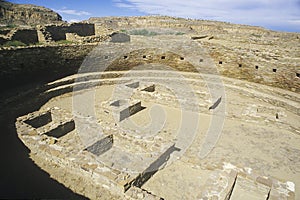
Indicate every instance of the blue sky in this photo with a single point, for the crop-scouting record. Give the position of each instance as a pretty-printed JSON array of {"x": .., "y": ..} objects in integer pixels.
[{"x": 282, "y": 15}]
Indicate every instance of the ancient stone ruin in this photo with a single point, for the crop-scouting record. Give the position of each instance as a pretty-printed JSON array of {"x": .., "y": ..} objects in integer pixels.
[
  {"x": 170, "y": 115},
  {"x": 76, "y": 33},
  {"x": 108, "y": 161}
]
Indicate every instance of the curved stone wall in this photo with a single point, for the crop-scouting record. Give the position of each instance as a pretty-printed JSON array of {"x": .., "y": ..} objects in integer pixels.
[{"x": 45, "y": 63}]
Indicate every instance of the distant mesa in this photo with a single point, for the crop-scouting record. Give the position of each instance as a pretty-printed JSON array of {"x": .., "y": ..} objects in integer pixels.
[{"x": 26, "y": 14}]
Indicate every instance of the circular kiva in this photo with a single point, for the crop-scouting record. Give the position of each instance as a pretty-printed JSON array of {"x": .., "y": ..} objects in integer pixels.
[
  {"x": 167, "y": 54},
  {"x": 136, "y": 153}
]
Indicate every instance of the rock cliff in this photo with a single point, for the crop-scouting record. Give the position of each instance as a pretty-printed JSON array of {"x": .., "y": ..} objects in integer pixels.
[{"x": 26, "y": 14}]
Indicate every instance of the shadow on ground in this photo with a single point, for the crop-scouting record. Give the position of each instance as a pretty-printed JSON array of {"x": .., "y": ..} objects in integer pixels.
[{"x": 20, "y": 178}]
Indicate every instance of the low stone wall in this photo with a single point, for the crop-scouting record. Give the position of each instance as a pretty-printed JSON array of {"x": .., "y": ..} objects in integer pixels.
[{"x": 73, "y": 37}]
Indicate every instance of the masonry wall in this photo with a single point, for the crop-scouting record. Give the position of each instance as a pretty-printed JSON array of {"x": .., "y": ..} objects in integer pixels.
[
  {"x": 25, "y": 65},
  {"x": 42, "y": 64},
  {"x": 57, "y": 32},
  {"x": 81, "y": 29},
  {"x": 26, "y": 36},
  {"x": 268, "y": 72}
]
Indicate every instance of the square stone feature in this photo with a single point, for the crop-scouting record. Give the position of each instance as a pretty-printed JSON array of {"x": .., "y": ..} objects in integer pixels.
[
  {"x": 54, "y": 122},
  {"x": 125, "y": 108}
]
